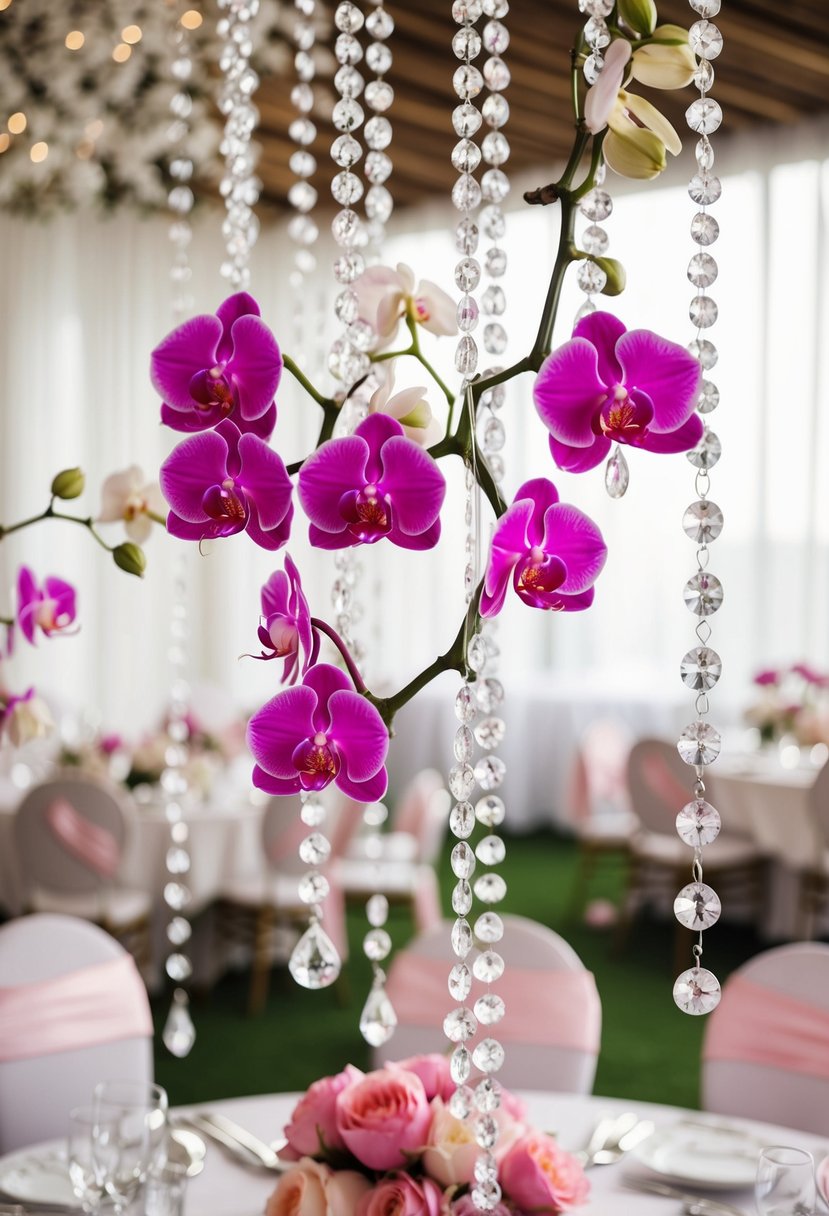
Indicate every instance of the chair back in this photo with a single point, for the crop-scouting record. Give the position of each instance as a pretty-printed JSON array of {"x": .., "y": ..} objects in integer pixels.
[
  {"x": 69, "y": 834},
  {"x": 659, "y": 784},
  {"x": 422, "y": 811},
  {"x": 766, "y": 1046},
  {"x": 819, "y": 802},
  {"x": 552, "y": 1025},
  {"x": 73, "y": 1011},
  {"x": 596, "y": 785}
]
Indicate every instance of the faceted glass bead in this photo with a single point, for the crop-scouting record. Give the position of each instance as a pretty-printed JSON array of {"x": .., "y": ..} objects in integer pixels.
[
  {"x": 596, "y": 32},
  {"x": 460, "y": 1025},
  {"x": 493, "y": 223},
  {"x": 460, "y": 982},
  {"x": 704, "y": 115},
  {"x": 699, "y": 743},
  {"x": 590, "y": 276},
  {"x": 466, "y": 356},
  {"x": 489, "y": 1009},
  {"x": 379, "y": 58},
  {"x": 698, "y": 823},
  {"x": 379, "y": 95},
  {"x": 466, "y": 156},
  {"x": 706, "y": 454},
  {"x": 705, "y": 351},
  {"x": 701, "y": 668},
  {"x": 476, "y": 653},
  {"x": 709, "y": 397},
  {"x": 467, "y": 43},
  {"x": 705, "y": 39},
  {"x": 468, "y": 274},
  {"x": 348, "y": 267},
  {"x": 378, "y": 1019},
  {"x": 704, "y": 153},
  {"x": 486, "y": 1129},
  {"x": 379, "y": 23},
  {"x": 595, "y": 240},
  {"x": 495, "y": 148},
  {"x": 488, "y": 967},
  {"x": 617, "y": 474},
  {"x": 489, "y": 733},
  {"x": 378, "y": 167},
  {"x": 347, "y": 114},
  {"x": 697, "y": 991},
  {"x": 376, "y": 945},
  {"x": 178, "y": 967},
  {"x": 489, "y": 928},
  {"x": 377, "y": 910},
  {"x": 596, "y": 205},
  {"x": 467, "y": 314},
  {"x": 378, "y": 133},
  {"x": 347, "y": 49},
  {"x": 179, "y": 1033},
  {"x": 315, "y": 962},
  {"x": 461, "y": 897},
  {"x": 702, "y": 270},
  {"x": 466, "y": 193},
  {"x": 463, "y": 744},
  {"x": 348, "y": 18},
  {"x": 348, "y": 82},
  {"x": 486, "y": 1196},
  {"x": 704, "y": 229},
  {"x": 489, "y": 772},
  {"x": 460, "y": 1066},
  {"x": 496, "y": 262},
  {"x": 703, "y": 521},
  {"x": 314, "y": 849},
  {"x": 312, "y": 812},
  {"x": 703, "y": 312},
  {"x": 462, "y": 820},
  {"x": 303, "y": 196},
  {"x": 593, "y": 65},
  {"x": 496, "y": 111},
  {"x": 465, "y": 708},
  {"x": 466, "y": 120},
  {"x": 586, "y": 309},
  {"x": 461, "y": 781},
  {"x": 490, "y": 811},
  {"x": 491, "y": 850},
  {"x": 379, "y": 204},
  {"x": 346, "y": 227},
  {"x": 313, "y": 888},
  {"x": 490, "y": 888},
  {"x": 463, "y": 860},
  {"x": 493, "y": 435},
  {"x": 495, "y": 339},
  {"x": 488, "y": 1056},
  {"x": 178, "y": 931},
  {"x": 705, "y": 189},
  {"x": 704, "y": 75},
  {"x": 461, "y": 1102},
  {"x": 496, "y": 8},
  {"x": 488, "y": 1094},
  {"x": 705, "y": 8},
  {"x": 467, "y": 11},
  {"x": 494, "y": 301},
  {"x": 346, "y": 188},
  {"x": 461, "y": 938},
  {"x": 703, "y": 594},
  {"x": 495, "y": 186},
  {"x": 697, "y": 906},
  {"x": 496, "y": 74},
  {"x": 467, "y": 81},
  {"x": 496, "y": 37}
]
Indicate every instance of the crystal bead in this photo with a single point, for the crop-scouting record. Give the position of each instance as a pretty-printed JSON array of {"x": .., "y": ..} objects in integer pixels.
[
  {"x": 378, "y": 133},
  {"x": 378, "y": 58},
  {"x": 705, "y": 351},
  {"x": 461, "y": 898},
  {"x": 378, "y": 168},
  {"x": 485, "y": 1127},
  {"x": 379, "y": 23},
  {"x": 466, "y": 120},
  {"x": 697, "y": 991},
  {"x": 698, "y": 823},
  {"x": 460, "y": 1025},
  {"x": 596, "y": 32},
  {"x": 303, "y": 196},
  {"x": 489, "y": 733},
  {"x": 493, "y": 435},
  {"x": 476, "y": 653},
  {"x": 177, "y": 860},
  {"x": 495, "y": 338},
  {"x": 489, "y": 772},
  {"x": 596, "y": 205},
  {"x": 701, "y": 668},
  {"x": 377, "y": 910},
  {"x": 313, "y": 888},
  {"x": 702, "y": 270},
  {"x": 496, "y": 262},
  {"x": 488, "y": 1093},
  {"x": 465, "y": 707},
  {"x": 704, "y": 153},
  {"x": 699, "y": 743},
  {"x": 466, "y": 193},
  {"x": 705, "y": 39},
  {"x": 494, "y": 301},
  {"x": 378, "y": 1019},
  {"x": 376, "y": 945},
  {"x": 461, "y": 938},
  {"x": 705, "y": 8},
  {"x": 704, "y": 75},
  {"x": 704, "y": 189},
  {"x": 590, "y": 276},
  {"x": 467, "y": 11},
  {"x": 460, "y": 1066},
  {"x": 703, "y": 312},
  {"x": 587, "y": 308},
  {"x": 178, "y": 967},
  {"x": 488, "y": 1056},
  {"x": 467, "y": 81},
  {"x": 347, "y": 114},
  {"x": 488, "y": 967},
  {"x": 348, "y": 82},
  {"x": 489, "y": 694},
  {"x": 495, "y": 148},
  {"x": 460, "y": 982},
  {"x": 697, "y": 906},
  {"x": 491, "y": 850},
  {"x": 486, "y": 1197},
  {"x": 346, "y": 188},
  {"x": 495, "y": 111},
  {"x": 463, "y": 860},
  {"x": 177, "y": 896},
  {"x": 179, "y": 1033},
  {"x": 704, "y": 229},
  {"x": 703, "y": 594},
  {"x": 489, "y": 928},
  {"x": 467, "y": 314},
  {"x": 179, "y": 931},
  {"x": 379, "y": 96},
  {"x": 707, "y": 452},
  {"x": 466, "y": 43},
  {"x": 467, "y": 274},
  {"x": 490, "y": 811},
  {"x": 496, "y": 74},
  {"x": 463, "y": 744},
  {"x": 617, "y": 474},
  {"x": 346, "y": 227},
  {"x": 312, "y": 811},
  {"x": 496, "y": 8},
  {"x": 348, "y": 18},
  {"x": 593, "y": 67},
  {"x": 704, "y": 115},
  {"x": 461, "y": 781},
  {"x": 379, "y": 204},
  {"x": 595, "y": 240},
  {"x": 347, "y": 49},
  {"x": 461, "y": 1102},
  {"x": 709, "y": 397},
  {"x": 496, "y": 467},
  {"x": 466, "y": 156},
  {"x": 496, "y": 37},
  {"x": 466, "y": 356},
  {"x": 315, "y": 849},
  {"x": 494, "y": 186},
  {"x": 703, "y": 521},
  {"x": 493, "y": 222},
  {"x": 314, "y": 962},
  {"x": 490, "y": 888},
  {"x": 346, "y": 309},
  {"x": 462, "y": 820}
]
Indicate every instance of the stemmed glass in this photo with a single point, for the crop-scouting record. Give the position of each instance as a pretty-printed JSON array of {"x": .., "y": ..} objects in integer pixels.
[
  {"x": 785, "y": 1182},
  {"x": 137, "y": 1112},
  {"x": 92, "y": 1154}
]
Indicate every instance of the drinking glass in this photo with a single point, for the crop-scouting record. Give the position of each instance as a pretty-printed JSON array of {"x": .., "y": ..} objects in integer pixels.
[
  {"x": 138, "y": 1111},
  {"x": 785, "y": 1182},
  {"x": 92, "y": 1155}
]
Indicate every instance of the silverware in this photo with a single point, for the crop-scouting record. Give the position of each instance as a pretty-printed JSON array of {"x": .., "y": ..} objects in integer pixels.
[
  {"x": 695, "y": 1205},
  {"x": 613, "y": 1137},
  {"x": 245, "y": 1147}
]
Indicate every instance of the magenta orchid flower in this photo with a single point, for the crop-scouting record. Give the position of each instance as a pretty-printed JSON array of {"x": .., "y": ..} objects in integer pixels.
[
  {"x": 374, "y": 483},
  {"x": 221, "y": 482},
  {"x": 318, "y": 732},
  {"x": 50, "y": 607},
  {"x": 212, "y": 367},
  {"x": 553, "y": 551},
  {"x": 286, "y": 630},
  {"x": 611, "y": 385},
  {"x": 767, "y": 677}
]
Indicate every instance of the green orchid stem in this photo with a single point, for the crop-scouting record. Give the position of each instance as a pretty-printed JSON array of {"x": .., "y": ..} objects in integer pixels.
[
  {"x": 331, "y": 633},
  {"x": 325, "y": 402},
  {"x": 50, "y": 513},
  {"x": 6, "y": 620},
  {"x": 157, "y": 519}
]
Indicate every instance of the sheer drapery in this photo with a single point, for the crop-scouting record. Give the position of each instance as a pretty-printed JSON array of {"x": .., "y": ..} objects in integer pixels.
[{"x": 84, "y": 300}]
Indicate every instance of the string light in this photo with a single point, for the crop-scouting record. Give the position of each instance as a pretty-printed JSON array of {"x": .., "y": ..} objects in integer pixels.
[
  {"x": 131, "y": 34},
  {"x": 122, "y": 52},
  {"x": 74, "y": 40},
  {"x": 4, "y": 142},
  {"x": 4, "y": 4},
  {"x": 39, "y": 152},
  {"x": 17, "y": 123},
  {"x": 192, "y": 19}
]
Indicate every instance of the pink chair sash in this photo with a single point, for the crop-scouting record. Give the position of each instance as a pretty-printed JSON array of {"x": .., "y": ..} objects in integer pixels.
[
  {"x": 94, "y": 846},
  {"x": 548, "y": 1009},
  {"x": 661, "y": 782},
  {"x": 759, "y": 1025},
  {"x": 100, "y": 1004}
]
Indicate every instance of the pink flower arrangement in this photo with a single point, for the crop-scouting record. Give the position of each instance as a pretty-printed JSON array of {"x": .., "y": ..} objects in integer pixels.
[
  {"x": 792, "y": 700},
  {"x": 386, "y": 1143}
]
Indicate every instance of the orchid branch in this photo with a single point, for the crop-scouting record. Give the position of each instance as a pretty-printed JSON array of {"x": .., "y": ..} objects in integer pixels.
[
  {"x": 331, "y": 633},
  {"x": 50, "y": 513}
]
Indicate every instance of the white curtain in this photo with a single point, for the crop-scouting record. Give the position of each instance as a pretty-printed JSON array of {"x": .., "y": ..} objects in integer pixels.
[{"x": 85, "y": 299}]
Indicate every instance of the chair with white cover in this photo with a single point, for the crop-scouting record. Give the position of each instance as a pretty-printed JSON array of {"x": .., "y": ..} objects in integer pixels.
[
  {"x": 814, "y": 882},
  {"x": 552, "y": 1026},
  {"x": 766, "y": 1049},
  {"x": 69, "y": 834},
  {"x": 660, "y": 783},
  {"x": 400, "y": 864},
  {"x": 73, "y": 1011}
]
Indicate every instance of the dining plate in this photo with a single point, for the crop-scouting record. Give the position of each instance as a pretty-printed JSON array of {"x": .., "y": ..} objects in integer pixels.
[
  {"x": 822, "y": 1177},
  {"x": 715, "y": 1155},
  {"x": 37, "y": 1176}
]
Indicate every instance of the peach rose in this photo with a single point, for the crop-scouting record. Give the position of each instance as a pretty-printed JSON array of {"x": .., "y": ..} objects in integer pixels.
[
  {"x": 401, "y": 1195},
  {"x": 537, "y": 1173},
  {"x": 383, "y": 1117},
  {"x": 451, "y": 1150},
  {"x": 314, "y": 1117},
  {"x": 433, "y": 1070},
  {"x": 312, "y": 1189}
]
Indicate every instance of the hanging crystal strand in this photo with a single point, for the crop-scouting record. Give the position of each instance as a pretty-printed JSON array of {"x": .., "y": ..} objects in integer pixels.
[
  {"x": 179, "y": 1033},
  {"x": 239, "y": 186},
  {"x": 379, "y": 96},
  {"x": 302, "y": 196},
  {"x": 466, "y": 192},
  {"x": 596, "y": 35},
  {"x": 697, "y": 906},
  {"x": 314, "y": 961}
]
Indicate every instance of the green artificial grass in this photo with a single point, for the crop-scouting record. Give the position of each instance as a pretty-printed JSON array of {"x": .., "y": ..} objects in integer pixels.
[{"x": 649, "y": 1051}]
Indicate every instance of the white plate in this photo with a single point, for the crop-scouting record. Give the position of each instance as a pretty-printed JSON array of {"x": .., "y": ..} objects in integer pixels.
[
  {"x": 37, "y": 1176},
  {"x": 714, "y": 1155}
]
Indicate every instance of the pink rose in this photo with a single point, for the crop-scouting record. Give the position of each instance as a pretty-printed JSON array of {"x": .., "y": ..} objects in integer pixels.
[
  {"x": 401, "y": 1195},
  {"x": 433, "y": 1070},
  {"x": 538, "y": 1173},
  {"x": 451, "y": 1150},
  {"x": 384, "y": 1116},
  {"x": 314, "y": 1117},
  {"x": 312, "y": 1189}
]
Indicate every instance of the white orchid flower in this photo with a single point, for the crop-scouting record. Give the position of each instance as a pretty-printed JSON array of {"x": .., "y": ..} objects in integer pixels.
[
  {"x": 126, "y": 496},
  {"x": 385, "y": 295}
]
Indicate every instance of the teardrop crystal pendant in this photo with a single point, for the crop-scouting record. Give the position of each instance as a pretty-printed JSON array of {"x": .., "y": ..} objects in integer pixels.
[
  {"x": 179, "y": 1033},
  {"x": 378, "y": 1019},
  {"x": 617, "y": 474},
  {"x": 315, "y": 962}
]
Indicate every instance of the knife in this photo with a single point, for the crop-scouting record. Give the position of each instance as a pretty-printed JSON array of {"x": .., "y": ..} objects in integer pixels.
[
  {"x": 246, "y": 1147},
  {"x": 702, "y": 1202}
]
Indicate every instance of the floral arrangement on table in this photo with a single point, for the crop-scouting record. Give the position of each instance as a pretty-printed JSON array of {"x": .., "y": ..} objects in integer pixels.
[
  {"x": 388, "y": 1143},
  {"x": 792, "y": 701}
]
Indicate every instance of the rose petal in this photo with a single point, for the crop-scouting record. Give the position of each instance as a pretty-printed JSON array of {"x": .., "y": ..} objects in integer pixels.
[
  {"x": 359, "y": 733},
  {"x": 275, "y": 730},
  {"x": 191, "y": 468},
  {"x": 335, "y": 468},
  {"x": 665, "y": 371},
  {"x": 603, "y": 330},
  {"x": 265, "y": 479},
  {"x": 568, "y": 392},
  {"x": 573, "y": 537},
  {"x": 682, "y": 439},
  {"x": 414, "y": 483},
  {"x": 256, "y": 366},
  {"x": 579, "y": 460},
  {"x": 189, "y": 349}
]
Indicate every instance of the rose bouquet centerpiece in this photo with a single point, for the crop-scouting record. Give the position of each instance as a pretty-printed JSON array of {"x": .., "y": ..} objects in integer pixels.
[
  {"x": 388, "y": 1143},
  {"x": 792, "y": 701}
]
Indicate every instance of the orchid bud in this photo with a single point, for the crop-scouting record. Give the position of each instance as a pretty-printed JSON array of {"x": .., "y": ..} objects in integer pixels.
[
  {"x": 130, "y": 558},
  {"x": 616, "y": 277},
  {"x": 68, "y": 484},
  {"x": 635, "y": 153},
  {"x": 667, "y": 61},
  {"x": 638, "y": 15}
]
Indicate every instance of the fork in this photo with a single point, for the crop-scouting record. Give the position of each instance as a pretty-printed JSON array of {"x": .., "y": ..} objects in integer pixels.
[{"x": 693, "y": 1205}]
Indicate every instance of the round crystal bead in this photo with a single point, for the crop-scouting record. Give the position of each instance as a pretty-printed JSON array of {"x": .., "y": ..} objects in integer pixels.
[
  {"x": 488, "y": 967},
  {"x": 702, "y": 270},
  {"x": 705, "y": 39},
  {"x": 461, "y": 938},
  {"x": 466, "y": 120},
  {"x": 596, "y": 32},
  {"x": 697, "y": 906},
  {"x": 346, "y": 227},
  {"x": 377, "y": 945},
  {"x": 705, "y": 189},
  {"x": 705, "y": 8},
  {"x": 379, "y": 95},
  {"x": 709, "y": 397},
  {"x": 495, "y": 148},
  {"x": 488, "y": 1056},
  {"x": 378, "y": 133},
  {"x": 496, "y": 111},
  {"x": 489, "y": 1009},
  {"x": 704, "y": 115},
  {"x": 489, "y": 927},
  {"x": 590, "y": 277},
  {"x": 496, "y": 8},
  {"x": 313, "y": 888},
  {"x": 489, "y": 733},
  {"x": 466, "y": 193},
  {"x": 348, "y": 82},
  {"x": 466, "y": 156},
  {"x": 698, "y": 823},
  {"x": 490, "y": 811},
  {"x": 461, "y": 1103},
  {"x": 491, "y": 850},
  {"x": 701, "y": 668},
  {"x": 593, "y": 65},
  {"x": 496, "y": 37},
  {"x": 468, "y": 274},
  {"x": 595, "y": 240},
  {"x": 467, "y": 314},
  {"x": 707, "y": 452},
  {"x": 489, "y": 772},
  {"x": 460, "y": 1025},
  {"x": 703, "y": 594},
  {"x": 460, "y": 982},
  {"x": 348, "y": 267},
  {"x": 346, "y": 188},
  {"x": 493, "y": 222},
  {"x": 314, "y": 849},
  {"x": 493, "y": 436},
  {"x": 490, "y": 888},
  {"x": 699, "y": 743},
  {"x": 496, "y": 262},
  {"x": 463, "y": 860},
  {"x": 347, "y": 114},
  {"x": 467, "y": 81},
  {"x": 467, "y": 43},
  {"x": 496, "y": 74},
  {"x": 465, "y": 707},
  {"x": 495, "y": 339},
  {"x": 461, "y": 781},
  {"x": 704, "y": 229},
  {"x": 377, "y": 910},
  {"x": 705, "y": 351},
  {"x": 379, "y": 23},
  {"x": 495, "y": 186},
  {"x": 697, "y": 991},
  {"x": 703, "y": 521},
  {"x": 463, "y": 744},
  {"x": 462, "y": 820},
  {"x": 487, "y": 1099},
  {"x": 461, "y": 898},
  {"x": 596, "y": 205},
  {"x": 485, "y": 1127},
  {"x": 347, "y": 49},
  {"x": 379, "y": 204},
  {"x": 489, "y": 693},
  {"x": 378, "y": 167},
  {"x": 379, "y": 58},
  {"x": 467, "y": 11},
  {"x": 476, "y": 653},
  {"x": 348, "y": 17},
  {"x": 703, "y": 312}
]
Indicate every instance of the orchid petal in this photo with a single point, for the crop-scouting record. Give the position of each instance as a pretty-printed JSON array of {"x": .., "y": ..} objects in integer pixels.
[
  {"x": 183, "y": 529},
  {"x": 653, "y": 120},
  {"x": 427, "y": 539},
  {"x": 413, "y": 482},
  {"x": 667, "y": 372},
  {"x": 441, "y": 311},
  {"x": 376, "y": 429},
  {"x": 573, "y": 537},
  {"x": 194, "y": 419},
  {"x": 280, "y": 786},
  {"x": 139, "y": 528},
  {"x": 579, "y": 460},
  {"x": 65, "y": 598},
  {"x": 116, "y": 490},
  {"x": 275, "y": 730},
  {"x": 191, "y": 468},
  {"x": 330, "y": 541},
  {"x": 231, "y": 434},
  {"x": 601, "y": 97},
  {"x": 363, "y": 791},
  {"x": 568, "y": 392},
  {"x": 230, "y": 310},
  {"x": 682, "y": 439},
  {"x": 324, "y": 680},
  {"x": 407, "y": 279},
  {"x": 270, "y": 538},
  {"x": 187, "y": 350},
  {"x": 256, "y": 366},
  {"x": 335, "y": 468},
  {"x": 542, "y": 494},
  {"x": 360, "y": 734},
  {"x": 274, "y": 595},
  {"x": 265, "y": 479},
  {"x": 603, "y": 330},
  {"x": 577, "y": 603},
  {"x": 390, "y": 309},
  {"x": 509, "y": 543},
  {"x": 634, "y": 153}
]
